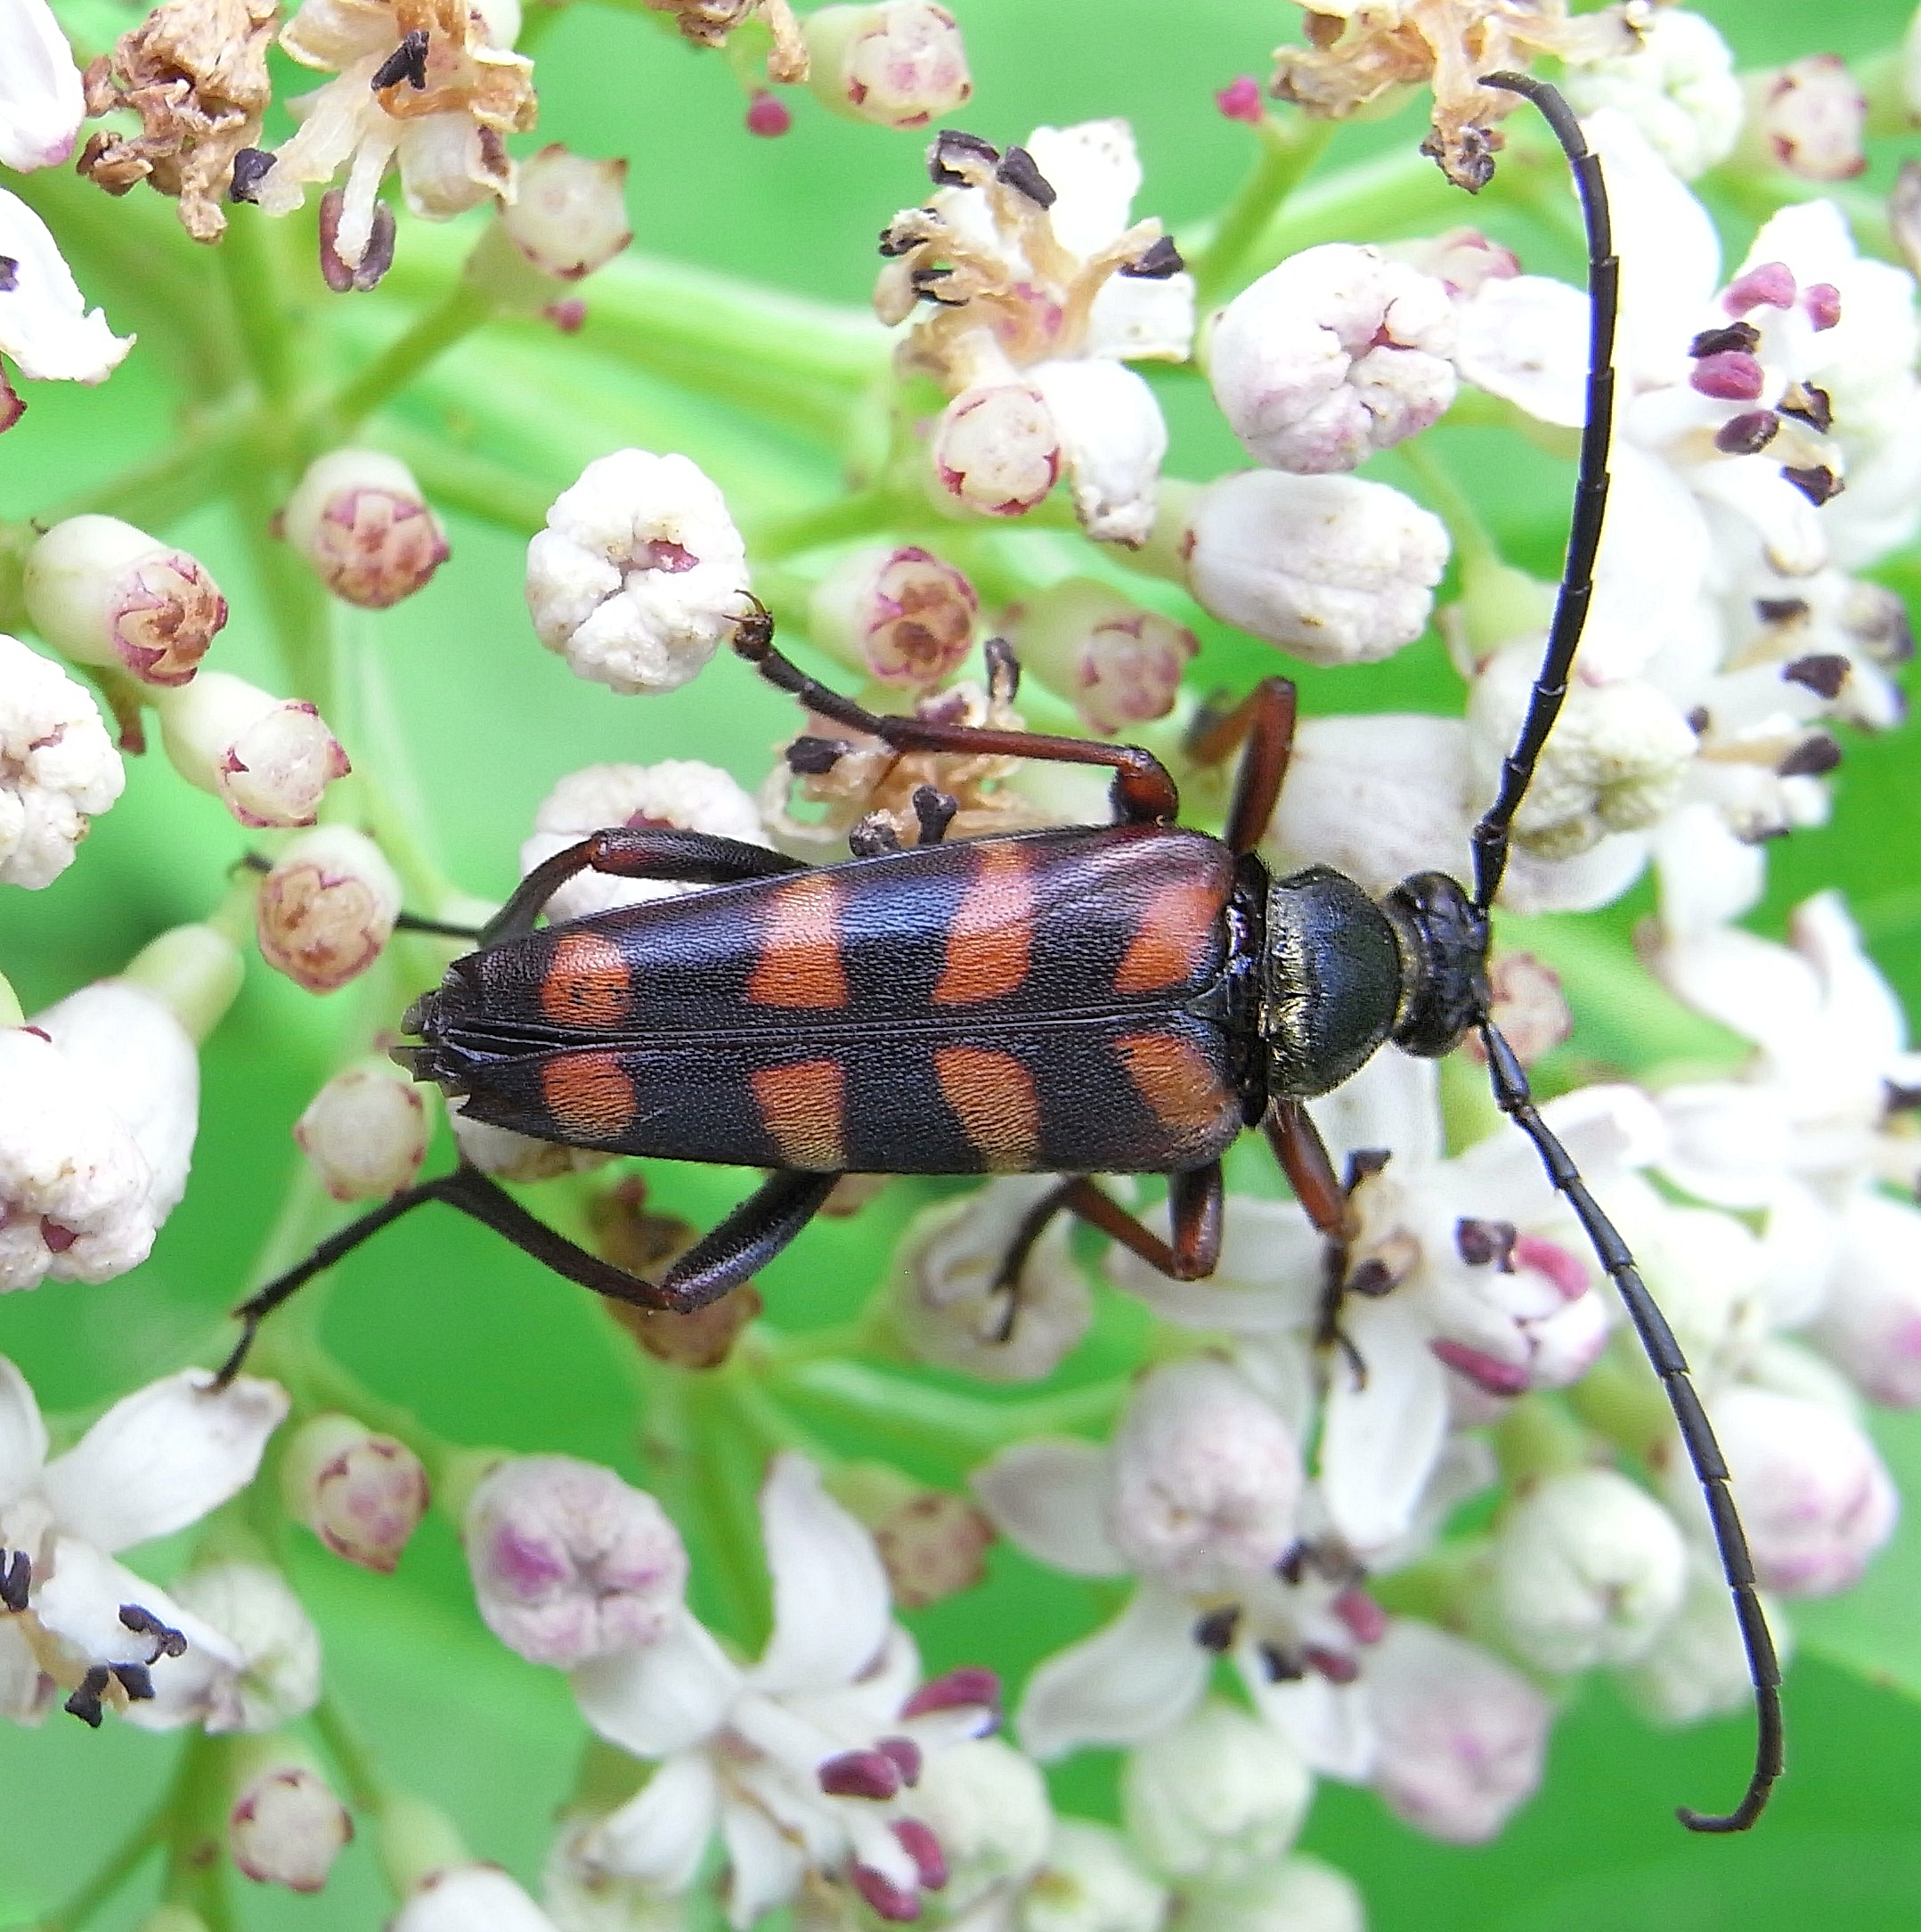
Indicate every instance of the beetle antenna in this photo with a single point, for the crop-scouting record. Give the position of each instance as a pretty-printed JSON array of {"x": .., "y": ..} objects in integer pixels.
[
  {"x": 1590, "y": 490},
  {"x": 1512, "y": 1092}
]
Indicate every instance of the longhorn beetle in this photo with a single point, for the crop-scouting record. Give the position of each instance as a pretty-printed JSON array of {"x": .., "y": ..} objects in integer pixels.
[{"x": 1119, "y": 999}]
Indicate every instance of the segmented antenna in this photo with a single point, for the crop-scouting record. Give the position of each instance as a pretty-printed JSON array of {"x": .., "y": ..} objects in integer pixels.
[{"x": 1511, "y": 1093}]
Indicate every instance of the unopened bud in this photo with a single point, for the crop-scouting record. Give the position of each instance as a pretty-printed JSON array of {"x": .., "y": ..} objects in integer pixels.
[
  {"x": 252, "y": 1605},
  {"x": 1528, "y": 1008},
  {"x": 358, "y": 517},
  {"x": 286, "y": 1826},
  {"x": 1812, "y": 115},
  {"x": 106, "y": 593},
  {"x": 327, "y": 908},
  {"x": 363, "y": 1493},
  {"x": 58, "y": 767},
  {"x": 1092, "y": 1882},
  {"x": 268, "y": 761},
  {"x": 569, "y": 1562},
  {"x": 996, "y": 450},
  {"x": 933, "y": 1545},
  {"x": 1870, "y": 1325},
  {"x": 517, "y": 1157},
  {"x": 365, "y": 1131},
  {"x": 896, "y": 613},
  {"x": 1118, "y": 664},
  {"x": 469, "y": 1898},
  {"x": 1675, "y": 82},
  {"x": 901, "y": 63},
  {"x": 569, "y": 214},
  {"x": 1299, "y": 1894}
]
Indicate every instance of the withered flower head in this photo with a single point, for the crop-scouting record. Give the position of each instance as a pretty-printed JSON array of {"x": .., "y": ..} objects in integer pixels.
[{"x": 707, "y": 23}]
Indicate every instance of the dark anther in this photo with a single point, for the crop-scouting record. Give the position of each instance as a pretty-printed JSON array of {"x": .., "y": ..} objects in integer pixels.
[
  {"x": 1002, "y": 670},
  {"x": 891, "y": 244},
  {"x": 251, "y": 166},
  {"x": 1780, "y": 609},
  {"x": 136, "y": 1681},
  {"x": 1895, "y": 1099},
  {"x": 84, "y": 1702},
  {"x": 873, "y": 836},
  {"x": 1362, "y": 1162},
  {"x": 1216, "y": 1631},
  {"x": 1699, "y": 719},
  {"x": 1293, "y": 1564},
  {"x": 1738, "y": 335},
  {"x": 16, "y": 1580},
  {"x": 168, "y": 1641},
  {"x": 407, "y": 63},
  {"x": 1817, "y": 485},
  {"x": 1806, "y": 404},
  {"x": 950, "y": 145},
  {"x": 925, "y": 279},
  {"x": 1019, "y": 171},
  {"x": 813, "y": 755},
  {"x": 339, "y": 275},
  {"x": 1814, "y": 757},
  {"x": 1479, "y": 1243},
  {"x": 1336, "y": 1666},
  {"x": 1161, "y": 260},
  {"x": 1373, "y": 1278},
  {"x": 933, "y": 812},
  {"x": 1283, "y": 1667},
  {"x": 8, "y": 274},
  {"x": 1824, "y": 674},
  {"x": 1746, "y": 434}
]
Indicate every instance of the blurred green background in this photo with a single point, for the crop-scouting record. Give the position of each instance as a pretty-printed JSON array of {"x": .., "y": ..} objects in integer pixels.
[{"x": 486, "y": 1347}]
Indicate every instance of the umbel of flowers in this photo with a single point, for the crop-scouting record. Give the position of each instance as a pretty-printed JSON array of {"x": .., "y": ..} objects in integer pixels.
[{"x": 1364, "y": 1512}]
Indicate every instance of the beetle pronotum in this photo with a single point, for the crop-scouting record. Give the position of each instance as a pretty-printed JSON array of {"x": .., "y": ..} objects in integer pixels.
[{"x": 1121, "y": 999}]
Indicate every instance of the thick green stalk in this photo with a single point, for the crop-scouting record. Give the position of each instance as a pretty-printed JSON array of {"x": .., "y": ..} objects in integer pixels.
[
  {"x": 460, "y": 311},
  {"x": 1289, "y": 148},
  {"x": 248, "y": 256}
]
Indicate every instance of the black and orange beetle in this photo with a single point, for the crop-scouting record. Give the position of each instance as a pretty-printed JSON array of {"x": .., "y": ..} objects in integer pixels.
[{"x": 1117, "y": 998}]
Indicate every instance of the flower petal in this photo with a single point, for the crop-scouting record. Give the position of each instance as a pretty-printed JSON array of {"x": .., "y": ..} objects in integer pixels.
[
  {"x": 1095, "y": 174},
  {"x": 1383, "y": 1435},
  {"x": 1331, "y": 1724},
  {"x": 660, "y": 1835},
  {"x": 45, "y": 325},
  {"x": 663, "y": 1698},
  {"x": 162, "y": 1457},
  {"x": 831, "y": 1597},
  {"x": 1524, "y": 338},
  {"x": 1392, "y": 1102},
  {"x": 23, "y": 1435},
  {"x": 766, "y": 1869},
  {"x": 1049, "y": 1497},
  {"x": 1126, "y": 1683},
  {"x": 41, "y": 101},
  {"x": 1114, "y": 440}
]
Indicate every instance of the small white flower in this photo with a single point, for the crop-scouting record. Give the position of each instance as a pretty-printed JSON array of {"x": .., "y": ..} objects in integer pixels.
[
  {"x": 41, "y": 101},
  {"x": 1678, "y": 86},
  {"x": 1092, "y": 1882},
  {"x": 1214, "y": 1799},
  {"x": 365, "y": 1131},
  {"x": 896, "y": 612},
  {"x": 581, "y": 1897},
  {"x": 58, "y": 767},
  {"x": 363, "y": 1493},
  {"x": 1588, "y": 1570},
  {"x": 640, "y": 574},
  {"x": 326, "y": 910},
  {"x": 1333, "y": 570},
  {"x": 45, "y": 325},
  {"x": 1335, "y": 353},
  {"x": 287, "y": 1827},
  {"x": 1118, "y": 664},
  {"x": 806, "y": 1761},
  {"x": 899, "y": 62},
  {"x": 1812, "y": 115},
  {"x": 268, "y": 761},
  {"x": 469, "y": 1898},
  {"x": 276, "y": 1675},
  {"x": 569, "y": 212},
  {"x": 569, "y": 1562},
  {"x": 988, "y": 1805},
  {"x": 1870, "y": 1326},
  {"x": 679, "y": 792},
  {"x": 1699, "y": 1668},
  {"x": 358, "y": 517},
  {"x": 1299, "y": 1894}
]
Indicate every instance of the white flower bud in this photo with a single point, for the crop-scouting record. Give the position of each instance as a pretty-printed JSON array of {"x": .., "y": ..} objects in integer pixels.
[
  {"x": 1113, "y": 440},
  {"x": 639, "y": 572},
  {"x": 469, "y": 1898},
  {"x": 358, "y": 517},
  {"x": 1333, "y": 570},
  {"x": 1699, "y": 1668},
  {"x": 1812, "y": 116},
  {"x": 517, "y": 1157},
  {"x": 1118, "y": 664},
  {"x": 1588, "y": 1570},
  {"x": 1871, "y": 1325},
  {"x": 1463, "y": 1737},
  {"x": 1676, "y": 84},
  {"x": 106, "y": 593},
  {"x": 943, "y": 1291},
  {"x": 569, "y": 214},
  {"x": 901, "y": 63},
  {"x": 1334, "y": 354},
  {"x": 1814, "y": 1495},
  {"x": 1206, "y": 1478},
  {"x": 569, "y": 1562},
  {"x": 933, "y": 1545},
  {"x": 41, "y": 103},
  {"x": 679, "y": 792},
  {"x": 327, "y": 908},
  {"x": 1300, "y": 1894},
  {"x": 363, "y": 1493},
  {"x": 988, "y": 1805},
  {"x": 1217, "y": 1798},
  {"x": 279, "y": 1676},
  {"x": 996, "y": 450},
  {"x": 268, "y": 761},
  {"x": 896, "y": 612},
  {"x": 58, "y": 767},
  {"x": 580, "y": 1894},
  {"x": 365, "y": 1131},
  {"x": 1092, "y": 1883},
  {"x": 287, "y": 1827}
]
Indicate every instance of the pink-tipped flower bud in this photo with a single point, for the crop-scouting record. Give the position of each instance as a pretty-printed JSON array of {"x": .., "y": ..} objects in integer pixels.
[
  {"x": 358, "y": 517},
  {"x": 106, "y": 593},
  {"x": 277, "y": 1678},
  {"x": 901, "y": 63},
  {"x": 327, "y": 908},
  {"x": 1335, "y": 353},
  {"x": 569, "y": 215},
  {"x": 1463, "y": 1737},
  {"x": 286, "y": 1826},
  {"x": 997, "y": 451},
  {"x": 469, "y": 1898},
  {"x": 896, "y": 612},
  {"x": 1241, "y": 101},
  {"x": 58, "y": 767},
  {"x": 768, "y": 115},
  {"x": 363, "y": 1493},
  {"x": 1812, "y": 116},
  {"x": 569, "y": 1562},
  {"x": 365, "y": 1131},
  {"x": 1870, "y": 1325},
  {"x": 268, "y": 761},
  {"x": 1118, "y": 664}
]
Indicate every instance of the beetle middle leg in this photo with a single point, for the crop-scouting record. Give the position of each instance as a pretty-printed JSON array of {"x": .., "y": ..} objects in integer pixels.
[{"x": 1263, "y": 720}]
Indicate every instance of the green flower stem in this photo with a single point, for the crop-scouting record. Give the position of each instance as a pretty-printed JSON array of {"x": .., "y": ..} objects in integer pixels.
[
  {"x": 470, "y": 485},
  {"x": 728, "y": 1470},
  {"x": 320, "y": 1383},
  {"x": 460, "y": 311},
  {"x": 247, "y": 254},
  {"x": 198, "y": 466},
  {"x": 865, "y": 513},
  {"x": 302, "y": 612},
  {"x": 1450, "y": 502},
  {"x": 1538, "y": 1438},
  {"x": 197, "y": 1866},
  {"x": 367, "y": 1790},
  {"x": 1400, "y": 193},
  {"x": 1289, "y": 146},
  {"x": 118, "y": 1866}
]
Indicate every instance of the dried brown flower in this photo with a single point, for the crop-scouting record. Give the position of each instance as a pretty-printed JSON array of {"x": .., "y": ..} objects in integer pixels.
[{"x": 707, "y": 23}]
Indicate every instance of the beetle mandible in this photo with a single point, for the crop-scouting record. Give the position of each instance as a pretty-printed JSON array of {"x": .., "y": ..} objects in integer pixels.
[{"x": 1121, "y": 999}]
